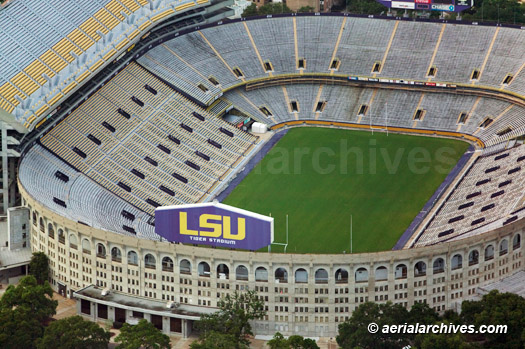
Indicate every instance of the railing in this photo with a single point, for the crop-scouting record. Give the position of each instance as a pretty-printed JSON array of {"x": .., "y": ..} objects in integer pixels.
[
  {"x": 342, "y": 281},
  {"x": 62, "y": 239},
  {"x": 473, "y": 262},
  {"x": 101, "y": 255},
  {"x": 166, "y": 268},
  {"x": 116, "y": 259},
  {"x": 186, "y": 271},
  {"x": 150, "y": 266}
]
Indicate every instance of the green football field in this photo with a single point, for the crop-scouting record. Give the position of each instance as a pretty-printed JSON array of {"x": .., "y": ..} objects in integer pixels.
[{"x": 324, "y": 178}]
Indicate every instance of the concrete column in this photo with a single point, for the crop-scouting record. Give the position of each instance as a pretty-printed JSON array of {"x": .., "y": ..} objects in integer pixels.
[
  {"x": 111, "y": 314},
  {"x": 147, "y": 317},
  {"x": 5, "y": 169},
  {"x": 166, "y": 325},
  {"x": 94, "y": 311}
]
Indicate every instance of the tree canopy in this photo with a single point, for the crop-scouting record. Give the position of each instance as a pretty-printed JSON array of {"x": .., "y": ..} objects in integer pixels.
[
  {"x": 144, "y": 334},
  {"x": 293, "y": 342},
  {"x": 39, "y": 267},
  {"x": 233, "y": 319},
  {"x": 74, "y": 333}
]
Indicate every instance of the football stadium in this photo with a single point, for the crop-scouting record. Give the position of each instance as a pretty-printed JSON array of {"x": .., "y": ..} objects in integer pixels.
[{"x": 163, "y": 156}]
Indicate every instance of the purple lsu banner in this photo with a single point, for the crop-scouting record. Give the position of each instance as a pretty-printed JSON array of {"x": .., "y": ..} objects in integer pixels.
[{"x": 214, "y": 224}]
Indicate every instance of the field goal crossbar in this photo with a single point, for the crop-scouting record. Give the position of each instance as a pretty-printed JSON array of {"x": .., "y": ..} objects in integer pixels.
[
  {"x": 281, "y": 243},
  {"x": 372, "y": 128}
]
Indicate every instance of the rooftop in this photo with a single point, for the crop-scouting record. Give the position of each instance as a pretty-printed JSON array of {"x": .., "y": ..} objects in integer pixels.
[{"x": 116, "y": 299}]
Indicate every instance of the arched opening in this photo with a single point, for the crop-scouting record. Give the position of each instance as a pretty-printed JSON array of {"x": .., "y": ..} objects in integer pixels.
[
  {"x": 473, "y": 257},
  {"x": 381, "y": 274},
  {"x": 116, "y": 255},
  {"x": 341, "y": 276},
  {"x": 261, "y": 274},
  {"x": 133, "y": 258},
  {"x": 41, "y": 224},
  {"x": 150, "y": 261},
  {"x": 241, "y": 273},
  {"x": 503, "y": 247},
  {"x": 86, "y": 246},
  {"x": 185, "y": 267},
  {"x": 361, "y": 275},
  {"x": 281, "y": 275},
  {"x": 204, "y": 269},
  {"x": 50, "y": 231},
  {"x": 73, "y": 241},
  {"x": 301, "y": 276},
  {"x": 516, "y": 242},
  {"x": 401, "y": 271},
  {"x": 61, "y": 236},
  {"x": 321, "y": 276},
  {"x": 101, "y": 250},
  {"x": 489, "y": 252},
  {"x": 223, "y": 272},
  {"x": 439, "y": 266},
  {"x": 420, "y": 269},
  {"x": 35, "y": 218},
  {"x": 167, "y": 264},
  {"x": 456, "y": 262}
]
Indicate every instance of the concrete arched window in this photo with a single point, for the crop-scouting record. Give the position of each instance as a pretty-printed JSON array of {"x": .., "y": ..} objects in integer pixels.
[
  {"x": 456, "y": 262},
  {"x": 503, "y": 247},
  {"x": 439, "y": 266},
  {"x": 401, "y": 271},
  {"x": 101, "y": 250},
  {"x": 321, "y": 276},
  {"x": 381, "y": 274},
  {"x": 473, "y": 257},
  {"x": 341, "y": 276},
  {"x": 489, "y": 252},
  {"x": 133, "y": 258},
  {"x": 50, "y": 231},
  {"x": 223, "y": 272},
  {"x": 281, "y": 275},
  {"x": 420, "y": 269},
  {"x": 167, "y": 264},
  {"x": 361, "y": 275},
  {"x": 204, "y": 269},
  {"x": 241, "y": 273},
  {"x": 516, "y": 242},
  {"x": 301, "y": 276},
  {"x": 185, "y": 267},
  {"x": 261, "y": 274},
  {"x": 116, "y": 254},
  {"x": 150, "y": 261}
]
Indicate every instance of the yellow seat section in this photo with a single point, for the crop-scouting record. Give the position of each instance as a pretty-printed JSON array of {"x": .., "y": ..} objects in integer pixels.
[
  {"x": 162, "y": 15},
  {"x": 64, "y": 48},
  {"x": 24, "y": 83},
  {"x": 6, "y": 106},
  {"x": 116, "y": 8},
  {"x": 90, "y": 27},
  {"x": 132, "y": 5},
  {"x": 143, "y": 2},
  {"x": 104, "y": 17},
  {"x": 8, "y": 91},
  {"x": 35, "y": 71},
  {"x": 53, "y": 61},
  {"x": 81, "y": 39}
]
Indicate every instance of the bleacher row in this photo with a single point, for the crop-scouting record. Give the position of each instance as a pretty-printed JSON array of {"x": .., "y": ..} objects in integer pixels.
[
  {"x": 70, "y": 193},
  {"x": 40, "y": 38},
  {"x": 147, "y": 143},
  {"x": 384, "y": 107},
  {"x": 403, "y": 50},
  {"x": 492, "y": 190}
]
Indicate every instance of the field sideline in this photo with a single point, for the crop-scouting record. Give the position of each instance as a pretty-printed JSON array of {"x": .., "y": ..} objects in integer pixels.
[{"x": 320, "y": 176}]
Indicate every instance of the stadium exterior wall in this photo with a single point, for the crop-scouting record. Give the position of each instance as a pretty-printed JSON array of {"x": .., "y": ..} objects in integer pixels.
[{"x": 313, "y": 306}]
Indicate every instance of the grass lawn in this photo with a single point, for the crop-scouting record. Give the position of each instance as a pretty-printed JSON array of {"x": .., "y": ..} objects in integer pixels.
[{"x": 320, "y": 177}]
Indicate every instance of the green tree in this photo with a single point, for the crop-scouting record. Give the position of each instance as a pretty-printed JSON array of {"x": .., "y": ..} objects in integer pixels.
[
  {"x": 442, "y": 340},
  {"x": 233, "y": 318},
  {"x": 144, "y": 335},
  {"x": 215, "y": 340},
  {"x": 36, "y": 300},
  {"x": 421, "y": 313},
  {"x": 250, "y": 11},
  {"x": 39, "y": 267},
  {"x": 504, "y": 11},
  {"x": 293, "y": 342},
  {"x": 306, "y": 9},
  {"x": 74, "y": 333},
  {"x": 497, "y": 309},
  {"x": 18, "y": 328},
  {"x": 354, "y": 332},
  {"x": 273, "y": 8},
  {"x": 369, "y": 7}
]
